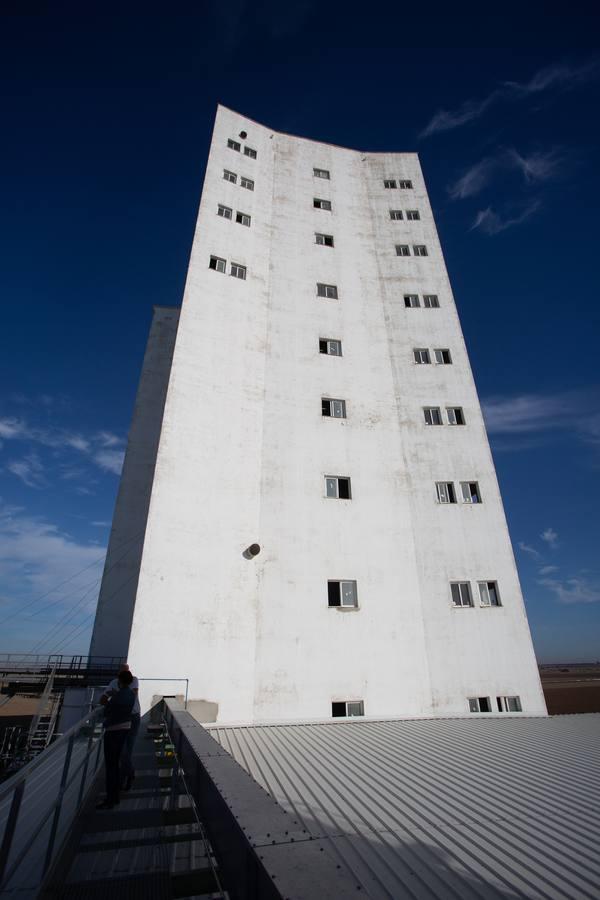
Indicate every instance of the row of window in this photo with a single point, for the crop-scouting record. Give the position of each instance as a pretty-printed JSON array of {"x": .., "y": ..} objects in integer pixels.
[
  {"x": 220, "y": 265},
  {"x": 418, "y": 250},
  {"x": 227, "y": 213},
  {"x": 462, "y": 596},
  {"x": 412, "y": 215},
  {"x": 433, "y": 415},
  {"x": 351, "y": 708},
  {"x": 235, "y": 145},
  {"x": 391, "y": 183},
  {"x": 430, "y": 301},
  {"x": 441, "y": 355},
  {"x": 469, "y": 492},
  {"x": 232, "y": 178}
]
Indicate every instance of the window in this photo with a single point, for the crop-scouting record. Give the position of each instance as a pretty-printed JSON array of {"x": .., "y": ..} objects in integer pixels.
[
  {"x": 432, "y": 415},
  {"x": 238, "y": 271},
  {"x": 406, "y": 185},
  {"x": 338, "y": 487},
  {"x": 402, "y": 250},
  {"x": 224, "y": 211},
  {"x": 479, "y": 704},
  {"x": 389, "y": 183},
  {"x": 419, "y": 250},
  {"x": 247, "y": 183},
  {"x": 248, "y": 151},
  {"x": 411, "y": 301},
  {"x": 334, "y": 408},
  {"x": 445, "y": 492},
  {"x": 233, "y": 145},
  {"x": 342, "y": 593},
  {"x": 421, "y": 356},
  {"x": 430, "y": 301},
  {"x": 217, "y": 264},
  {"x": 488, "y": 593},
  {"x": 324, "y": 240},
  {"x": 396, "y": 215},
  {"x": 470, "y": 492},
  {"x": 509, "y": 704},
  {"x": 413, "y": 215},
  {"x": 461, "y": 593},
  {"x": 442, "y": 357},
  {"x": 242, "y": 219},
  {"x": 321, "y": 204},
  {"x": 330, "y": 347},
  {"x": 229, "y": 176},
  {"x": 327, "y": 290},
  {"x": 455, "y": 415},
  {"x": 321, "y": 173},
  {"x": 347, "y": 708}
]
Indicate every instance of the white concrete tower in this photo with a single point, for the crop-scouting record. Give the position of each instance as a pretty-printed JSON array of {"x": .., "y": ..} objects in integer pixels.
[{"x": 314, "y": 398}]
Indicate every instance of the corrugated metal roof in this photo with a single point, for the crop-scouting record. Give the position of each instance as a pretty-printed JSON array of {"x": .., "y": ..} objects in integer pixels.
[{"x": 444, "y": 808}]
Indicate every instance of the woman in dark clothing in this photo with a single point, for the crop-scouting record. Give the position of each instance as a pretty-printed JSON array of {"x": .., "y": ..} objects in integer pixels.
[{"x": 117, "y": 722}]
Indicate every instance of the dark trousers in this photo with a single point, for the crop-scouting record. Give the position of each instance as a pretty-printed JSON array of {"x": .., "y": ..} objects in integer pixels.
[
  {"x": 114, "y": 741},
  {"x": 127, "y": 770}
]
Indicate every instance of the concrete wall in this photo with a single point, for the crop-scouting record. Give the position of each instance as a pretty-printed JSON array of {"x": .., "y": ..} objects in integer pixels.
[{"x": 244, "y": 451}]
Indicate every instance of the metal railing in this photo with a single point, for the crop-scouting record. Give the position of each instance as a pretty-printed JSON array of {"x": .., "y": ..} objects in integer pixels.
[
  {"x": 27, "y": 662},
  {"x": 38, "y": 805}
]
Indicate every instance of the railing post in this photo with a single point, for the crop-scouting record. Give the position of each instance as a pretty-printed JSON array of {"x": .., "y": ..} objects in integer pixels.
[
  {"x": 61, "y": 791},
  {"x": 9, "y": 829},
  {"x": 85, "y": 767}
]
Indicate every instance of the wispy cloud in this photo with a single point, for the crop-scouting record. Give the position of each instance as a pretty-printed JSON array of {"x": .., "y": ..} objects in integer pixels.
[
  {"x": 548, "y": 570},
  {"x": 473, "y": 180},
  {"x": 29, "y": 469},
  {"x": 531, "y": 551},
  {"x": 490, "y": 222},
  {"x": 572, "y": 590},
  {"x": 557, "y": 77},
  {"x": 550, "y": 537},
  {"x": 110, "y": 460},
  {"x": 536, "y": 166}
]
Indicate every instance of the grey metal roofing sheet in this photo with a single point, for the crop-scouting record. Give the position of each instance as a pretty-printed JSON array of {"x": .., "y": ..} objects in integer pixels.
[{"x": 442, "y": 808}]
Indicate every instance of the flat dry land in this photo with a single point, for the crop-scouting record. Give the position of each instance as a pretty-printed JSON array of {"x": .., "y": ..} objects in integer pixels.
[{"x": 573, "y": 688}]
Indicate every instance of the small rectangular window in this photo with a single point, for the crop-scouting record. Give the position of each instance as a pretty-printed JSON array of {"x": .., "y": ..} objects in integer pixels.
[
  {"x": 229, "y": 176},
  {"x": 430, "y": 301},
  {"x": 224, "y": 211},
  {"x": 442, "y": 357},
  {"x": 509, "y": 704},
  {"x": 321, "y": 204},
  {"x": 337, "y": 486},
  {"x": 342, "y": 594},
  {"x": 242, "y": 219},
  {"x": 238, "y": 271},
  {"x": 330, "y": 347},
  {"x": 421, "y": 356},
  {"x": 402, "y": 250},
  {"x": 396, "y": 215},
  {"x": 321, "y": 173},
  {"x": 343, "y": 708},
  {"x": 247, "y": 183},
  {"x": 233, "y": 145},
  {"x": 479, "y": 704},
  {"x": 406, "y": 185},
  {"x": 488, "y": 593},
  {"x": 334, "y": 408},
  {"x": 412, "y": 215},
  {"x": 455, "y": 415},
  {"x": 445, "y": 492},
  {"x": 218, "y": 264},
  {"x": 248, "y": 151},
  {"x": 470, "y": 492},
  {"x": 324, "y": 240},
  {"x": 432, "y": 414},
  {"x": 389, "y": 183},
  {"x": 327, "y": 290},
  {"x": 411, "y": 301},
  {"x": 419, "y": 250},
  {"x": 461, "y": 593}
]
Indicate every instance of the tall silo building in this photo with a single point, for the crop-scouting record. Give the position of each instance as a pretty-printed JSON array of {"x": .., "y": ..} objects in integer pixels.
[{"x": 309, "y": 522}]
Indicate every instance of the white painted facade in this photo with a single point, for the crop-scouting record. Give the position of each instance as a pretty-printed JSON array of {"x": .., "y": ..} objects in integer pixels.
[{"x": 244, "y": 450}]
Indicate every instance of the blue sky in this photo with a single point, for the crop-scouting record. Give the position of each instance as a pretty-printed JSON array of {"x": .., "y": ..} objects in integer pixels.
[{"x": 106, "y": 126}]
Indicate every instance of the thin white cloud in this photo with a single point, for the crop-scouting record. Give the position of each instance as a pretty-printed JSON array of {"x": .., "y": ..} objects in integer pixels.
[
  {"x": 557, "y": 76},
  {"x": 548, "y": 570},
  {"x": 531, "y": 551},
  {"x": 29, "y": 469},
  {"x": 550, "y": 537},
  {"x": 101, "y": 524},
  {"x": 491, "y": 222},
  {"x": 536, "y": 166},
  {"x": 572, "y": 590},
  {"x": 473, "y": 180},
  {"x": 110, "y": 460}
]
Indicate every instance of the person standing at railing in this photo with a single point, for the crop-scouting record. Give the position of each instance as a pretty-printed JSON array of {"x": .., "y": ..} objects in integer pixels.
[
  {"x": 127, "y": 770},
  {"x": 117, "y": 724}
]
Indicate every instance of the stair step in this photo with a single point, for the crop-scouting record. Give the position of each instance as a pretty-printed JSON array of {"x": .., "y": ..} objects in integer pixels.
[
  {"x": 115, "y": 820},
  {"x": 148, "y": 886},
  {"x": 141, "y": 842}
]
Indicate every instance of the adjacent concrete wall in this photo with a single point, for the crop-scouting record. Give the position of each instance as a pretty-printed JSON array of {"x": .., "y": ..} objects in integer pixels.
[{"x": 244, "y": 452}]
